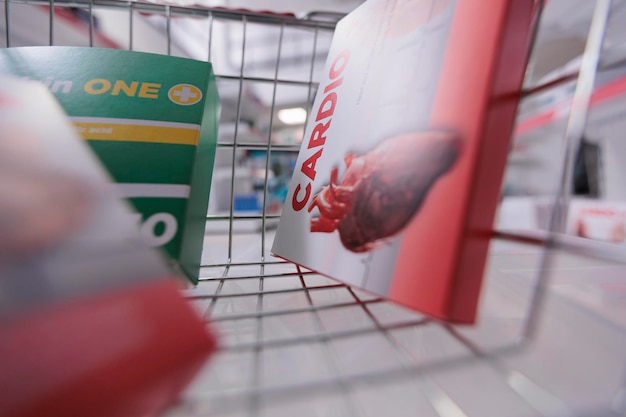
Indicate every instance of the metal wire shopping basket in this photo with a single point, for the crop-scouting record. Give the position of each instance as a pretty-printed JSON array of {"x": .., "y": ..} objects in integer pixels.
[{"x": 297, "y": 343}]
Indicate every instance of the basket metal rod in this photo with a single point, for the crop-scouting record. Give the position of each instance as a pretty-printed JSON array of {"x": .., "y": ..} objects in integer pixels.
[
  {"x": 309, "y": 103},
  {"x": 210, "y": 19},
  {"x": 530, "y": 91},
  {"x": 437, "y": 397},
  {"x": 255, "y": 399},
  {"x": 192, "y": 11},
  {"x": 541, "y": 399},
  {"x": 131, "y": 19},
  {"x": 594, "y": 249},
  {"x": 260, "y": 146},
  {"x": 235, "y": 138},
  {"x": 255, "y": 276},
  {"x": 223, "y": 265},
  {"x": 260, "y": 292},
  {"x": 91, "y": 23},
  {"x": 6, "y": 22},
  {"x": 168, "y": 15},
  {"x": 269, "y": 143},
  {"x": 571, "y": 141},
  {"x": 330, "y": 357},
  {"x": 268, "y": 80},
  {"x": 324, "y": 337},
  {"x": 291, "y": 311},
  {"x": 51, "y": 26},
  {"x": 241, "y": 217}
]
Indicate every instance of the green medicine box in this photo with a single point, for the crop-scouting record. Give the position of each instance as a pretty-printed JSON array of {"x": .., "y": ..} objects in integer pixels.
[{"x": 152, "y": 120}]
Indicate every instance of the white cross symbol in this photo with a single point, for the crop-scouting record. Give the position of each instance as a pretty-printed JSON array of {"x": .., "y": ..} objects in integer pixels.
[{"x": 185, "y": 94}]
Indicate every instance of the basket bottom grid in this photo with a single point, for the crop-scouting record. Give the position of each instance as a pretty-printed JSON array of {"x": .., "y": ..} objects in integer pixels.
[{"x": 295, "y": 341}]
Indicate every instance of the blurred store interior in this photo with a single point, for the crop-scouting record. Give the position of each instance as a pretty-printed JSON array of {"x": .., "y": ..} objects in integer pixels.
[
  {"x": 278, "y": 115},
  {"x": 578, "y": 356}
]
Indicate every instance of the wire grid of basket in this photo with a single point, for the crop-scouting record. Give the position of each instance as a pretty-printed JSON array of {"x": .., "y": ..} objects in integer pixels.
[{"x": 295, "y": 342}]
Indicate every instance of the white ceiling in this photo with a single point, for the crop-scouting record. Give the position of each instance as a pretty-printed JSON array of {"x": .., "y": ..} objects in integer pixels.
[
  {"x": 563, "y": 31},
  {"x": 562, "y": 35}
]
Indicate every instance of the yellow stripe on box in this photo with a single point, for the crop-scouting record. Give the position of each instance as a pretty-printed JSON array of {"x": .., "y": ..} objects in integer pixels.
[{"x": 138, "y": 133}]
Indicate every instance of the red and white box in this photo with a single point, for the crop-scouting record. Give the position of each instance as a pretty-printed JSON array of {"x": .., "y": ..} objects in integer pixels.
[
  {"x": 92, "y": 322},
  {"x": 598, "y": 219},
  {"x": 399, "y": 173}
]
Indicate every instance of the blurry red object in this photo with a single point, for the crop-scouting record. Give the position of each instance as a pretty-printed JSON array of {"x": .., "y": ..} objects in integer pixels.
[
  {"x": 92, "y": 322},
  {"x": 119, "y": 354}
]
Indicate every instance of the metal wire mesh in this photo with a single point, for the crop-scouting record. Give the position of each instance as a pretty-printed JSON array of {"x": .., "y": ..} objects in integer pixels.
[{"x": 294, "y": 341}]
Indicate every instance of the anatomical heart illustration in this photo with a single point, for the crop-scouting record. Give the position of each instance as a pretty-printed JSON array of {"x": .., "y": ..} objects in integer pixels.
[{"x": 382, "y": 190}]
